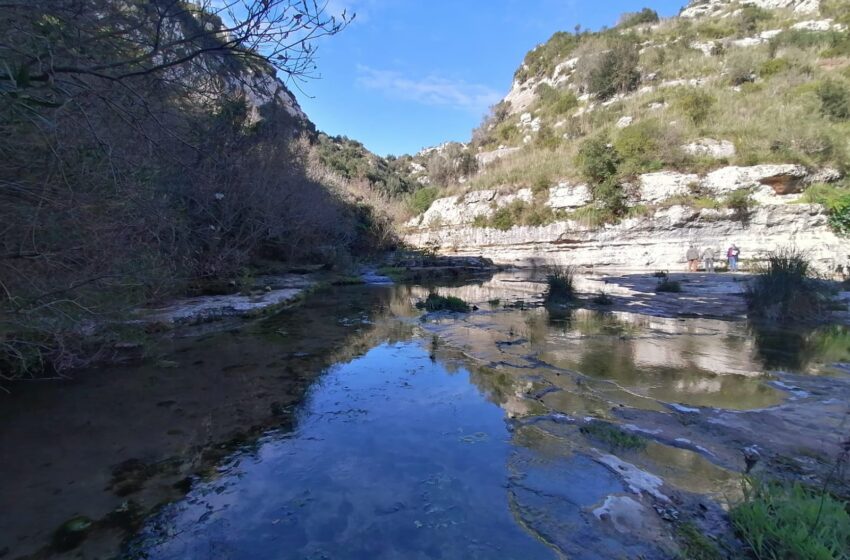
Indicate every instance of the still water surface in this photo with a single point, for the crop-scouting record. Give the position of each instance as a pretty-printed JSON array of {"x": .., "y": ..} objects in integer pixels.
[{"x": 411, "y": 436}]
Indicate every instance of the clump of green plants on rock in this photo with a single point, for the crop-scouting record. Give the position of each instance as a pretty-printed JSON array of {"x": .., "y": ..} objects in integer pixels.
[
  {"x": 779, "y": 521},
  {"x": 612, "y": 436},
  {"x": 436, "y": 302}
]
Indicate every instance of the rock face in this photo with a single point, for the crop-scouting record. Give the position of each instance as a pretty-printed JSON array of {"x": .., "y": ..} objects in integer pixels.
[
  {"x": 709, "y": 147},
  {"x": 486, "y": 158},
  {"x": 700, "y": 8},
  {"x": 657, "y": 241}
]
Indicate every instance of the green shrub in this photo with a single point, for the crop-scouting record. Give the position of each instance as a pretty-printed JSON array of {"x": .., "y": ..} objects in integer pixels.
[
  {"x": 785, "y": 290},
  {"x": 560, "y": 281},
  {"x": 615, "y": 69},
  {"x": 422, "y": 199},
  {"x": 597, "y": 160},
  {"x": 779, "y": 521},
  {"x": 504, "y": 218},
  {"x": 638, "y": 148},
  {"x": 833, "y": 43},
  {"x": 836, "y": 200},
  {"x": 836, "y": 9},
  {"x": 773, "y": 67},
  {"x": 630, "y": 19},
  {"x": 696, "y": 105},
  {"x": 740, "y": 201},
  {"x": 555, "y": 102},
  {"x": 835, "y": 100},
  {"x": 546, "y": 138},
  {"x": 517, "y": 213},
  {"x": 592, "y": 215},
  {"x": 436, "y": 302}
]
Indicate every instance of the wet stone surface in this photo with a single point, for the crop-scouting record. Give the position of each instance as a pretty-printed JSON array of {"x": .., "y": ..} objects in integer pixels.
[{"x": 355, "y": 426}]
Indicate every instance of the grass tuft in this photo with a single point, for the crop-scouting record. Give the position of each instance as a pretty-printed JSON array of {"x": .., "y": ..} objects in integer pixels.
[
  {"x": 786, "y": 290},
  {"x": 781, "y": 521},
  {"x": 560, "y": 280}
]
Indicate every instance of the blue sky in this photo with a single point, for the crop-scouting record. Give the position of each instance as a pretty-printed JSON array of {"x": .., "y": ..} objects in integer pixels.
[{"x": 414, "y": 73}]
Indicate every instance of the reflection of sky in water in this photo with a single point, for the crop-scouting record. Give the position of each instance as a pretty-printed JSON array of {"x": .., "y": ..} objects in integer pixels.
[
  {"x": 393, "y": 458},
  {"x": 400, "y": 456}
]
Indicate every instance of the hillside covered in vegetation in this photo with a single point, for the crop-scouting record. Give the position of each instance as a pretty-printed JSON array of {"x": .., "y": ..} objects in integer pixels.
[{"x": 724, "y": 84}]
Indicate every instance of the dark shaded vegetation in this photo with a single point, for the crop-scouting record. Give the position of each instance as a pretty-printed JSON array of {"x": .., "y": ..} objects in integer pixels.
[
  {"x": 602, "y": 299},
  {"x": 695, "y": 545},
  {"x": 139, "y": 162},
  {"x": 436, "y": 302},
  {"x": 666, "y": 285},
  {"x": 353, "y": 161},
  {"x": 787, "y": 290},
  {"x": 835, "y": 100},
  {"x": 559, "y": 281}
]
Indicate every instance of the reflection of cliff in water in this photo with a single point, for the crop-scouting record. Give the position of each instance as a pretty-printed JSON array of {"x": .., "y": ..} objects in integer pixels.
[{"x": 695, "y": 361}]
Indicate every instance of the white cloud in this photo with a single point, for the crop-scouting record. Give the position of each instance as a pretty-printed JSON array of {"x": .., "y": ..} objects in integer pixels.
[{"x": 430, "y": 90}]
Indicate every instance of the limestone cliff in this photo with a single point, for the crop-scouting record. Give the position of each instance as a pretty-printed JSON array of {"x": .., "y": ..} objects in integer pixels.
[
  {"x": 655, "y": 241},
  {"x": 738, "y": 173}
]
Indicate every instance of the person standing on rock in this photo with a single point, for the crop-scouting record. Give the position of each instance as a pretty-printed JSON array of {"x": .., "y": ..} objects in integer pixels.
[
  {"x": 693, "y": 258},
  {"x": 708, "y": 259},
  {"x": 732, "y": 256}
]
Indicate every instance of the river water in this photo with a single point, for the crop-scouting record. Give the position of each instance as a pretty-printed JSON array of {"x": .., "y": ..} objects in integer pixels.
[{"x": 356, "y": 427}]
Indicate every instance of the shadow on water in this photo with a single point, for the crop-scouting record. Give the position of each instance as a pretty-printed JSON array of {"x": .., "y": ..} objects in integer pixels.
[{"x": 811, "y": 349}]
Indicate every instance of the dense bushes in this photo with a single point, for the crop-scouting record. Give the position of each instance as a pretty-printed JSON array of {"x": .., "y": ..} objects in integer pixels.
[
  {"x": 640, "y": 147},
  {"x": 351, "y": 160},
  {"x": 135, "y": 162},
  {"x": 422, "y": 199}
]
